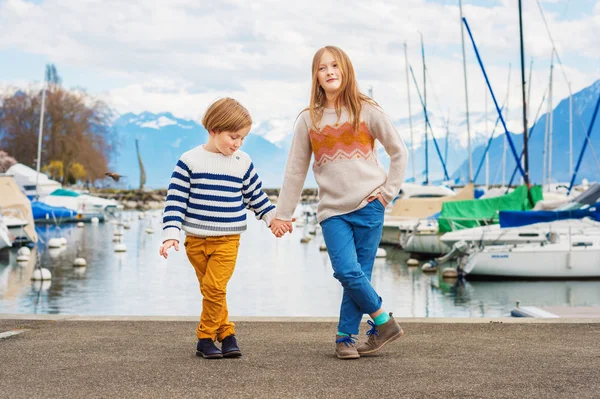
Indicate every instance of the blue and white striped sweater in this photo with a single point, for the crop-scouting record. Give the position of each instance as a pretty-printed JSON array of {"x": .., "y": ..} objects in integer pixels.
[{"x": 209, "y": 193}]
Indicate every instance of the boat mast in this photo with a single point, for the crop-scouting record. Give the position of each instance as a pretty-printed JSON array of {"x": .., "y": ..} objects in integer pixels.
[
  {"x": 40, "y": 133},
  {"x": 525, "y": 152},
  {"x": 425, "y": 110},
  {"x": 551, "y": 118},
  {"x": 412, "y": 139},
  {"x": 462, "y": 38}
]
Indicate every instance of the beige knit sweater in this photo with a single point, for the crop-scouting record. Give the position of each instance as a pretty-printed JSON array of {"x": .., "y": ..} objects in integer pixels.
[{"x": 345, "y": 164}]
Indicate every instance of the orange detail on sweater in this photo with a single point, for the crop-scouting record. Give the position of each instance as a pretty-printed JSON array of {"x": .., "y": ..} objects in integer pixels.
[{"x": 344, "y": 142}]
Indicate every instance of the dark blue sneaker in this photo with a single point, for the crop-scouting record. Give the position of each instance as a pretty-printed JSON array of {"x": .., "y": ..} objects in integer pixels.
[
  {"x": 207, "y": 349},
  {"x": 230, "y": 347}
]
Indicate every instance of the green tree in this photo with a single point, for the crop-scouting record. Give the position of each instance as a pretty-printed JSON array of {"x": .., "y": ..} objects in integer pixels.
[{"x": 55, "y": 169}]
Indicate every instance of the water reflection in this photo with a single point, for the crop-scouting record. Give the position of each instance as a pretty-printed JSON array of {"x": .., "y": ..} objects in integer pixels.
[{"x": 273, "y": 278}]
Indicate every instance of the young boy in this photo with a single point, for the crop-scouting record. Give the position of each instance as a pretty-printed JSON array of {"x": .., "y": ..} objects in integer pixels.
[{"x": 210, "y": 189}]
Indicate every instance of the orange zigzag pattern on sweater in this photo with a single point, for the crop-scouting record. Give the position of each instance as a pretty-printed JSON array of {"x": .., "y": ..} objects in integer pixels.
[{"x": 332, "y": 144}]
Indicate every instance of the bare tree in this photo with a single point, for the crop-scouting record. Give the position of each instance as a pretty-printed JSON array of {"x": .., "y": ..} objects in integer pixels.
[{"x": 77, "y": 128}]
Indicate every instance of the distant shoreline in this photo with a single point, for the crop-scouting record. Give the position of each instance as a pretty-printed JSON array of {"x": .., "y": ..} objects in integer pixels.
[{"x": 155, "y": 199}]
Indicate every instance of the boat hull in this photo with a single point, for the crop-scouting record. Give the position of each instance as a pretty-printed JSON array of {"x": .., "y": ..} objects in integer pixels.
[{"x": 537, "y": 261}]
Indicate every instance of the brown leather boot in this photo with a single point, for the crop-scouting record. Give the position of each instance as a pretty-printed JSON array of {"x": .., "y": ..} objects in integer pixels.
[
  {"x": 345, "y": 347},
  {"x": 379, "y": 336}
]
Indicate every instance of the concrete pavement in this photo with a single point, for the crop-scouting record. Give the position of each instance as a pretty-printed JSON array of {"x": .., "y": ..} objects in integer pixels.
[{"x": 75, "y": 357}]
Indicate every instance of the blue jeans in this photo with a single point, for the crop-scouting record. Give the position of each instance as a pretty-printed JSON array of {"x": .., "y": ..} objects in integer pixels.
[{"x": 352, "y": 241}]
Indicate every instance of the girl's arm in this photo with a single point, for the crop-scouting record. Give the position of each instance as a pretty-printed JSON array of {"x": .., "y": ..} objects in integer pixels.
[
  {"x": 255, "y": 198},
  {"x": 296, "y": 169},
  {"x": 177, "y": 199},
  {"x": 382, "y": 129}
]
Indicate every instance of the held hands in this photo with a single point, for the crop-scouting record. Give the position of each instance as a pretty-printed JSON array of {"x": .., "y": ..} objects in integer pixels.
[
  {"x": 166, "y": 245},
  {"x": 280, "y": 227},
  {"x": 378, "y": 197}
]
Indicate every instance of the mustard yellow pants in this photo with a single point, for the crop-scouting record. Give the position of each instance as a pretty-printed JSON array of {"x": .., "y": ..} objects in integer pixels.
[{"x": 213, "y": 259}]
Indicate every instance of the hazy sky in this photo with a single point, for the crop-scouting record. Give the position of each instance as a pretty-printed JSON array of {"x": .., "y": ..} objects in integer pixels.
[{"x": 179, "y": 55}]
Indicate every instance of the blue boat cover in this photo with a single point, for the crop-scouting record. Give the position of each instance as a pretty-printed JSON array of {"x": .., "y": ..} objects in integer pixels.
[
  {"x": 524, "y": 218},
  {"x": 42, "y": 210}
]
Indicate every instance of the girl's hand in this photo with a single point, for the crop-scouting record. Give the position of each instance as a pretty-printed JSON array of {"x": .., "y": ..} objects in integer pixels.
[
  {"x": 378, "y": 197},
  {"x": 166, "y": 245},
  {"x": 280, "y": 227}
]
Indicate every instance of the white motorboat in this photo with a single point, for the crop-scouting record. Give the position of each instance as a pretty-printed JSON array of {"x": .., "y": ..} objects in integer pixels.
[
  {"x": 5, "y": 237},
  {"x": 564, "y": 256},
  {"x": 495, "y": 235}
]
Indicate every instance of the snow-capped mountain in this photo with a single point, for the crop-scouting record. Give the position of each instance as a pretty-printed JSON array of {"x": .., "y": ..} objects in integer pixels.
[{"x": 164, "y": 137}]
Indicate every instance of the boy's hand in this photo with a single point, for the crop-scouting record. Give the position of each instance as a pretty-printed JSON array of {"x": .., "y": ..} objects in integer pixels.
[
  {"x": 166, "y": 245},
  {"x": 280, "y": 227}
]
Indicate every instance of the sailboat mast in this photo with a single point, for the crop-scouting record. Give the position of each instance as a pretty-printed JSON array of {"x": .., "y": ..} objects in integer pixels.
[
  {"x": 487, "y": 155},
  {"x": 505, "y": 148},
  {"x": 412, "y": 139},
  {"x": 142, "y": 170},
  {"x": 550, "y": 117},
  {"x": 462, "y": 38},
  {"x": 39, "y": 149},
  {"x": 425, "y": 110},
  {"x": 525, "y": 151}
]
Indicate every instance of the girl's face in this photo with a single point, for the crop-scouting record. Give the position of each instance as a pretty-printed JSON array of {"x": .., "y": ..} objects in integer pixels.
[
  {"x": 329, "y": 74},
  {"x": 227, "y": 143}
]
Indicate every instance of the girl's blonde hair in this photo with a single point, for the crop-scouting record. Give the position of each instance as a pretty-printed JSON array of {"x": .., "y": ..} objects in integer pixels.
[
  {"x": 226, "y": 115},
  {"x": 348, "y": 95}
]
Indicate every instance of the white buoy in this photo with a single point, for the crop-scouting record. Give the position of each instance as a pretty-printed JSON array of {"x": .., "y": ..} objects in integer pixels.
[
  {"x": 24, "y": 251},
  {"x": 126, "y": 226},
  {"x": 54, "y": 243},
  {"x": 412, "y": 262},
  {"x": 63, "y": 241},
  {"x": 118, "y": 233},
  {"x": 54, "y": 252},
  {"x": 428, "y": 268},
  {"x": 80, "y": 224},
  {"x": 322, "y": 247},
  {"x": 149, "y": 230},
  {"x": 305, "y": 239},
  {"x": 79, "y": 262},
  {"x": 141, "y": 215},
  {"x": 381, "y": 253},
  {"x": 41, "y": 274},
  {"x": 22, "y": 258},
  {"x": 449, "y": 272},
  {"x": 120, "y": 247},
  {"x": 95, "y": 220}
]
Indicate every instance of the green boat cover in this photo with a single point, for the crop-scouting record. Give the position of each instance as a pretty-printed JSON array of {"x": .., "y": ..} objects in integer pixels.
[
  {"x": 458, "y": 215},
  {"x": 63, "y": 192}
]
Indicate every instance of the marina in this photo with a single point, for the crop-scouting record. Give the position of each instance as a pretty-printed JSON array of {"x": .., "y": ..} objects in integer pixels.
[{"x": 274, "y": 278}]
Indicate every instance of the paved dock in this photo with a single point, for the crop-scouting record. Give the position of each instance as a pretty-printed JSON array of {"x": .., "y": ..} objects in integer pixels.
[{"x": 76, "y": 357}]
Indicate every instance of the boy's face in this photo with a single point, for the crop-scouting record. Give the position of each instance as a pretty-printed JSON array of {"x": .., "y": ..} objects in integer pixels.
[{"x": 229, "y": 142}]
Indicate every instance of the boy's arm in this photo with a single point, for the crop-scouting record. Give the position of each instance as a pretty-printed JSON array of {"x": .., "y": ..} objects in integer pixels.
[
  {"x": 382, "y": 129},
  {"x": 296, "y": 169},
  {"x": 177, "y": 199},
  {"x": 255, "y": 198}
]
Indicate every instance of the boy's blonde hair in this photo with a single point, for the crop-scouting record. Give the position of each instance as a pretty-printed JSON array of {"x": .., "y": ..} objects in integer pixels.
[
  {"x": 226, "y": 115},
  {"x": 348, "y": 96}
]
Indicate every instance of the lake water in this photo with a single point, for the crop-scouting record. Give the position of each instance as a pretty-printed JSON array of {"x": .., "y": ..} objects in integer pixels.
[{"x": 273, "y": 277}]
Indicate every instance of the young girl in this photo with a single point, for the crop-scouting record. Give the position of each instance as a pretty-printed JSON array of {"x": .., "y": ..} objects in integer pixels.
[{"x": 340, "y": 127}]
